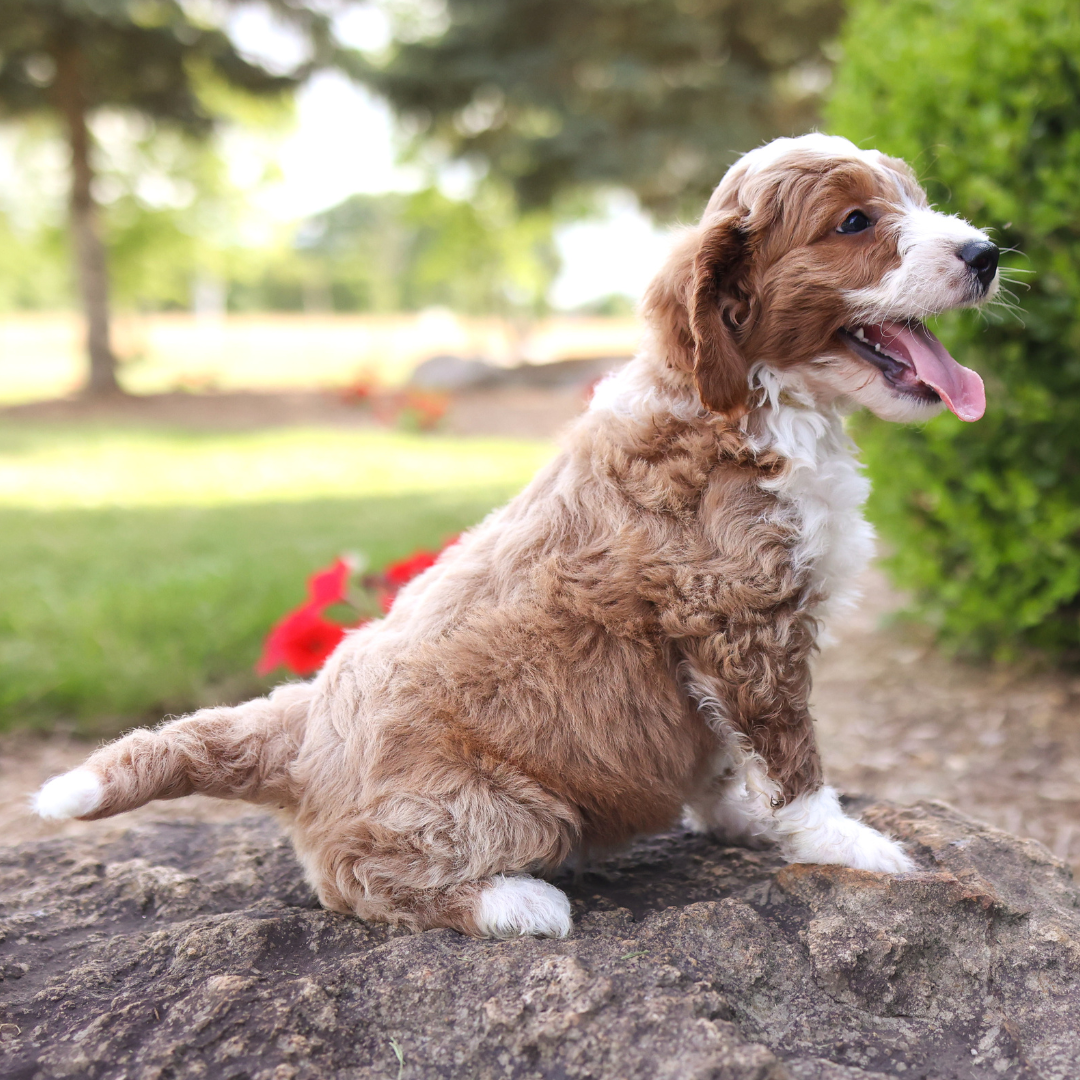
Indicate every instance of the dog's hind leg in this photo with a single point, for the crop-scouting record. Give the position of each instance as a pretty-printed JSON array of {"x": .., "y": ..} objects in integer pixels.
[
  {"x": 498, "y": 906},
  {"x": 457, "y": 854},
  {"x": 245, "y": 752}
]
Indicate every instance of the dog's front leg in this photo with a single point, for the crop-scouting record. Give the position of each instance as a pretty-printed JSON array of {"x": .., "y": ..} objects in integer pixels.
[{"x": 751, "y": 683}]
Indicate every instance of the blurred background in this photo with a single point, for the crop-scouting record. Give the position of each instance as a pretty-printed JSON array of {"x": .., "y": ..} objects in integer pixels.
[{"x": 285, "y": 279}]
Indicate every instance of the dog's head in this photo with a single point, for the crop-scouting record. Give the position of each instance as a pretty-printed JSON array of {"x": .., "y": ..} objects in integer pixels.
[{"x": 815, "y": 255}]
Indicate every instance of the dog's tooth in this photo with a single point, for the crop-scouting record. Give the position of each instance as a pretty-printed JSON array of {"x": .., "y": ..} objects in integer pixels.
[{"x": 859, "y": 333}]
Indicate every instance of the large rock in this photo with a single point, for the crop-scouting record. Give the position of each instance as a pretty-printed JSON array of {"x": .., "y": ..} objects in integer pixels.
[
  {"x": 195, "y": 950},
  {"x": 455, "y": 373}
]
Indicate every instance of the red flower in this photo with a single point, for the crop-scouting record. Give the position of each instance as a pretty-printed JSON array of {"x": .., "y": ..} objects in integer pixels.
[
  {"x": 411, "y": 409},
  {"x": 402, "y": 572},
  {"x": 424, "y": 409},
  {"x": 326, "y": 587},
  {"x": 398, "y": 574},
  {"x": 361, "y": 389},
  {"x": 303, "y": 639}
]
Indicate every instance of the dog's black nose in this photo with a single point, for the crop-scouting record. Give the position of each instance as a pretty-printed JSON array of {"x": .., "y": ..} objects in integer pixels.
[{"x": 982, "y": 257}]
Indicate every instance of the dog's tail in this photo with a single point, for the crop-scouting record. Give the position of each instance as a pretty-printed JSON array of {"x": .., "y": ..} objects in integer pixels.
[{"x": 244, "y": 752}]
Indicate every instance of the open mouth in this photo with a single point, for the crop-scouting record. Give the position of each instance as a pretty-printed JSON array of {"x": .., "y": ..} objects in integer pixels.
[{"x": 914, "y": 363}]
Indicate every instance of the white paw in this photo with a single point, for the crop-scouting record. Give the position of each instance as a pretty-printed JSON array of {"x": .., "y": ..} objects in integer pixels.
[
  {"x": 522, "y": 905},
  {"x": 72, "y": 795},
  {"x": 814, "y": 829},
  {"x": 851, "y": 844}
]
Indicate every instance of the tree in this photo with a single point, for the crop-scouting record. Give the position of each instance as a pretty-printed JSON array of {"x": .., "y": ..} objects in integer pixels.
[
  {"x": 399, "y": 251},
  {"x": 477, "y": 255},
  {"x": 656, "y": 95},
  {"x": 984, "y": 100},
  {"x": 69, "y": 58}
]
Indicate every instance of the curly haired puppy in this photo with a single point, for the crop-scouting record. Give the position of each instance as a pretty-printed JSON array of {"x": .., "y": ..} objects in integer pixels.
[{"x": 630, "y": 638}]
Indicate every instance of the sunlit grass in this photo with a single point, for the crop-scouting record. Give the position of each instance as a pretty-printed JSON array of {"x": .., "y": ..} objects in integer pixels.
[
  {"x": 53, "y": 468},
  {"x": 140, "y": 569}
]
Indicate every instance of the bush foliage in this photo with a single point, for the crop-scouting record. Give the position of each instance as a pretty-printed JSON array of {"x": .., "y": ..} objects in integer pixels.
[{"x": 984, "y": 100}]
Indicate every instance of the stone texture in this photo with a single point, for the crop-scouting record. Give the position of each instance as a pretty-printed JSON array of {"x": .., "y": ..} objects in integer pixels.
[
  {"x": 456, "y": 373},
  {"x": 453, "y": 373},
  {"x": 195, "y": 950}
]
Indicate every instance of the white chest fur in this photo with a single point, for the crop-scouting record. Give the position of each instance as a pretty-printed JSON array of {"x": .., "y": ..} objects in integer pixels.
[{"x": 823, "y": 489}]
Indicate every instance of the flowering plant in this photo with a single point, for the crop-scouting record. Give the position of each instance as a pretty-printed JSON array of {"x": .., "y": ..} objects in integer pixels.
[
  {"x": 409, "y": 408},
  {"x": 397, "y": 575},
  {"x": 302, "y": 639},
  {"x": 362, "y": 388}
]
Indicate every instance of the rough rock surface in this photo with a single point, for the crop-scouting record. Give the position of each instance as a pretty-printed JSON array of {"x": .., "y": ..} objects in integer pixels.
[{"x": 195, "y": 950}]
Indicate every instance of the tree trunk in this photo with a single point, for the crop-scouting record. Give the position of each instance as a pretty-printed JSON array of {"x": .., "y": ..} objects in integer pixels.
[{"x": 91, "y": 271}]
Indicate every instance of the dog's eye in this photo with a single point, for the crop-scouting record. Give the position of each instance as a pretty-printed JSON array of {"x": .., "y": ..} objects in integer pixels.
[{"x": 855, "y": 222}]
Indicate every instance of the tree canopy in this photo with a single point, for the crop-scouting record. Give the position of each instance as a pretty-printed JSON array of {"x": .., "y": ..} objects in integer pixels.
[
  {"x": 159, "y": 58},
  {"x": 404, "y": 252},
  {"x": 134, "y": 54},
  {"x": 656, "y": 95}
]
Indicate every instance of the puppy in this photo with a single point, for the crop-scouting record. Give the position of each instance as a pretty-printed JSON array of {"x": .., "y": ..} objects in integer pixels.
[{"x": 630, "y": 638}]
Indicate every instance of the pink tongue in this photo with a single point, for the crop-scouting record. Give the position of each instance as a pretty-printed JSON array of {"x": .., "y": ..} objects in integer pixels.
[{"x": 959, "y": 387}]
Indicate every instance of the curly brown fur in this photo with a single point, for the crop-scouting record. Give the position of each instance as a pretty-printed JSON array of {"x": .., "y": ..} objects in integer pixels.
[{"x": 631, "y": 634}]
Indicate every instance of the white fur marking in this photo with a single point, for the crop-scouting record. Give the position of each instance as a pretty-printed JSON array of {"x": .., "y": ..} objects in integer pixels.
[
  {"x": 813, "y": 828},
  {"x": 824, "y": 487},
  {"x": 737, "y": 816},
  {"x": 523, "y": 905},
  {"x": 72, "y": 795},
  {"x": 735, "y": 799},
  {"x": 831, "y": 146},
  {"x": 736, "y": 803}
]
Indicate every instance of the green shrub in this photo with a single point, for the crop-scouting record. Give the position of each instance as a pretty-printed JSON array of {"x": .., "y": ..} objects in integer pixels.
[{"x": 983, "y": 99}]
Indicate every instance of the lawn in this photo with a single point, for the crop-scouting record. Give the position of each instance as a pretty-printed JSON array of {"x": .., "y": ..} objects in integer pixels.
[{"x": 140, "y": 569}]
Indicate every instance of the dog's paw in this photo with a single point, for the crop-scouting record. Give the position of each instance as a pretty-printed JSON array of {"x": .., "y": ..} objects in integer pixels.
[
  {"x": 883, "y": 855},
  {"x": 848, "y": 843},
  {"x": 72, "y": 795},
  {"x": 510, "y": 906},
  {"x": 814, "y": 829}
]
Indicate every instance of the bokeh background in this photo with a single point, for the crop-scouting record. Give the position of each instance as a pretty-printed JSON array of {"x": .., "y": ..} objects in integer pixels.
[{"x": 286, "y": 279}]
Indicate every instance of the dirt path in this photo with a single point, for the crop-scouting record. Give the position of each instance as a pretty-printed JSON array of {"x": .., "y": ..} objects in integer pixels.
[
  {"x": 895, "y": 720},
  {"x": 899, "y": 721},
  {"x": 518, "y": 412}
]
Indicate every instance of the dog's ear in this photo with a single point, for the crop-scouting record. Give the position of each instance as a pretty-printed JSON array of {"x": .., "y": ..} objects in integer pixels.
[
  {"x": 716, "y": 306},
  {"x": 696, "y": 304}
]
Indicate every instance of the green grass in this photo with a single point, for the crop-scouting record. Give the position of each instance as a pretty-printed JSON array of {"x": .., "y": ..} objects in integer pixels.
[{"x": 140, "y": 569}]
